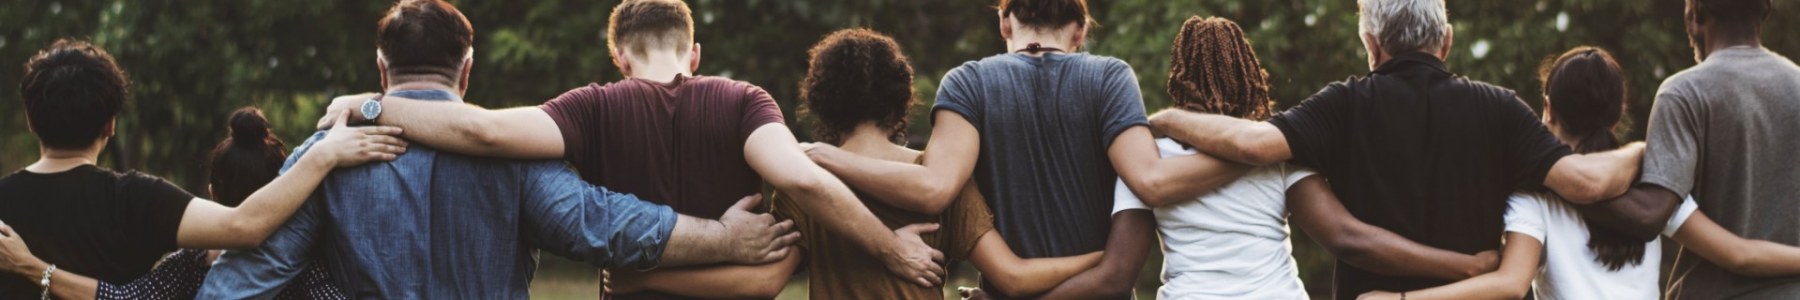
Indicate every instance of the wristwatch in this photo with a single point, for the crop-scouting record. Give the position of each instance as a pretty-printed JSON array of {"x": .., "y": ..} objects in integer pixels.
[{"x": 371, "y": 108}]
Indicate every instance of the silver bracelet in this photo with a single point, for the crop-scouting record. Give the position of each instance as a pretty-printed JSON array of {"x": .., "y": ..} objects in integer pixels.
[{"x": 46, "y": 281}]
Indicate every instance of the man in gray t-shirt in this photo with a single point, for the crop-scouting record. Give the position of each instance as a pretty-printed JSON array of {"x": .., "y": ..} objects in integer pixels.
[{"x": 1725, "y": 132}]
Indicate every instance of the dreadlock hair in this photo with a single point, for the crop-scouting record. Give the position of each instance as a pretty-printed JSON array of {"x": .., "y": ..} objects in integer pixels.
[
  {"x": 1214, "y": 70},
  {"x": 855, "y": 76},
  {"x": 1584, "y": 90}
]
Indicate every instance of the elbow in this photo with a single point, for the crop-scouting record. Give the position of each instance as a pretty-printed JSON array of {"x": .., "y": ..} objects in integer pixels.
[
  {"x": 1254, "y": 147},
  {"x": 245, "y": 235},
  {"x": 1150, "y": 191},
  {"x": 1007, "y": 284},
  {"x": 935, "y": 199},
  {"x": 481, "y": 132},
  {"x": 1117, "y": 287},
  {"x": 1516, "y": 291},
  {"x": 1740, "y": 263},
  {"x": 767, "y": 289},
  {"x": 1348, "y": 248}
]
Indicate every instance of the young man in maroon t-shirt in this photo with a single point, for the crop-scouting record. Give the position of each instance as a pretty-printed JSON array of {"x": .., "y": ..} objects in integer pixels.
[{"x": 697, "y": 142}]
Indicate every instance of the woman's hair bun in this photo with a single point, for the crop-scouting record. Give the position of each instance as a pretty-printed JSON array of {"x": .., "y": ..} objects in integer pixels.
[{"x": 249, "y": 127}]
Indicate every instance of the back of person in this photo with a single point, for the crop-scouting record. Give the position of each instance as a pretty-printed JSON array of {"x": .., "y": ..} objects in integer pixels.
[
  {"x": 112, "y": 226},
  {"x": 429, "y": 224},
  {"x": 1570, "y": 268},
  {"x": 1046, "y": 123},
  {"x": 1742, "y": 109},
  {"x": 837, "y": 269},
  {"x": 1232, "y": 243},
  {"x": 681, "y": 143},
  {"x": 1423, "y": 152}
]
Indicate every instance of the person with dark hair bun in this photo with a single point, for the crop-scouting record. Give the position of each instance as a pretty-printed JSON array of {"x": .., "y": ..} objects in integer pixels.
[
  {"x": 114, "y": 226},
  {"x": 1584, "y": 101},
  {"x": 244, "y": 154}
]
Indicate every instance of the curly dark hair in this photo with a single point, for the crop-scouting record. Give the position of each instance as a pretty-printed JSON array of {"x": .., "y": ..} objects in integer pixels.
[
  {"x": 1214, "y": 70},
  {"x": 855, "y": 76},
  {"x": 72, "y": 90}
]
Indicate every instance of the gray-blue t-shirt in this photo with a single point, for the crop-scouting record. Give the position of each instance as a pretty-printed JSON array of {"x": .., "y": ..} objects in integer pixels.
[{"x": 1045, "y": 125}]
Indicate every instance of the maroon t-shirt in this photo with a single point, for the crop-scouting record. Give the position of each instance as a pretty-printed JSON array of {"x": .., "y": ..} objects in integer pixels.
[{"x": 680, "y": 143}]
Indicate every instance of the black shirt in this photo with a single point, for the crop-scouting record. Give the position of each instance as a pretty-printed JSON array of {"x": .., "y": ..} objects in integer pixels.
[
  {"x": 1423, "y": 152},
  {"x": 108, "y": 225}
]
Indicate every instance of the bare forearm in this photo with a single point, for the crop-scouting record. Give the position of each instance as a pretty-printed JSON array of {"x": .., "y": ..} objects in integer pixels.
[
  {"x": 907, "y": 186},
  {"x": 712, "y": 282},
  {"x": 695, "y": 241},
  {"x": 1589, "y": 178},
  {"x": 521, "y": 133},
  {"x": 1511, "y": 281},
  {"x": 1384, "y": 252},
  {"x": 265, "y": 210},
  {"x": 1234, "y": 139},
  {"x": 1182, "y": 178},
  {"x": 1011, "y": 275},
  {"x": 1128, "y": 245},
  {"x": 1747, "y": 257},
  {"x": 1641, "y": 213},
  {"x": 63, "y": 284},
  {"x": 842, "y": 213}
]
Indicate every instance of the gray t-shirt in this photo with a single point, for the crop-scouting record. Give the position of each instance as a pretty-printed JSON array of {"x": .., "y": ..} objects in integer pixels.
[
  {"x": 1045, "y": 125},
  {"x": 1726, "y": 131}
]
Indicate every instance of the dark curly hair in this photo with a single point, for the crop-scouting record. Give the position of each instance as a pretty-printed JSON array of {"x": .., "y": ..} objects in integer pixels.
[
  {"x": 855, "y": 76},
  {"x": 1214, "y": 70},
  {"x": 72, "y": 90}
]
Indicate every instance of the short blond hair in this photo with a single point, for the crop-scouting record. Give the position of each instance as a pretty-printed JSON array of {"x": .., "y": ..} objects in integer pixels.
[{"x": 640, "y": 25}]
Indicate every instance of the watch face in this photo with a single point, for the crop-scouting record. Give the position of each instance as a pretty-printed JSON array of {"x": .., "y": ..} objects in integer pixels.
[{"x": 371, "y": 109}]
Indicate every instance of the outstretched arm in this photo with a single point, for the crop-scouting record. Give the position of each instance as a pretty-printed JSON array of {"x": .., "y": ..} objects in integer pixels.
[
  {"x": 1244, "y": 141},
  {"x": 926, "y": 188},
  {"x": 208, "y": 225},
  {"x": 1512, "y": 281},
  {"x": 1160, "y": 180},
  {"x": 1318, "y": 212},
  {"x": 519, "y": 132},
  {"x": 1589, "y": 178},
  {"x": 763, "y": 281},
  {"x": 1641, "y": 213},
  {"x": 1739, "y": 255},
  {"x": 1012, "y": 275},
  {"x": 1132, "y": 238},
  {"x": 774, "y": 153},
  {"x": 16, "y": 258}
]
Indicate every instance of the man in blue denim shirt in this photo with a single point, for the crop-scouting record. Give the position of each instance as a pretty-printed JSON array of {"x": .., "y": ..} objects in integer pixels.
[{"x": 445, "y": 226}]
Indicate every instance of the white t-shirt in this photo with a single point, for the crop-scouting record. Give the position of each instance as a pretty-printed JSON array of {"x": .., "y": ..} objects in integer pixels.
[
  {"x": 1230, "y": 244},
  {"x": 1569, "y": 269}
]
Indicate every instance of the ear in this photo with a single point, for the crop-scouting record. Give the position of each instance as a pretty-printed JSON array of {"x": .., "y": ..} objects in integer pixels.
[
  {"x": 1548, "y": 118},
  {"x": 694, "y": 59},
  {"x": 107, "y": 133},
  {"x": 1006, "y": 28},
  {"x": 1449, "y": 36},
  {"x": 619, "y": 60},
  {"x": 1076, "y": 42},
  {"x": 1373, "y": 47},
  {"x": 210, "y": 193},
  {"x": 381, "y": 65},
  {"x": 468, "y": 65}
]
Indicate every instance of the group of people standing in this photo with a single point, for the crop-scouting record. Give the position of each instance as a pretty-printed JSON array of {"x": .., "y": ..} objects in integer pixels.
[{"x": 1042, "y": 169}]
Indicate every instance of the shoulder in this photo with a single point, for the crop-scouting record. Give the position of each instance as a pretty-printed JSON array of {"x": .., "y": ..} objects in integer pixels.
[
  {"x": 747, "y": 90},
  {"x": 1486, "y": 91}
]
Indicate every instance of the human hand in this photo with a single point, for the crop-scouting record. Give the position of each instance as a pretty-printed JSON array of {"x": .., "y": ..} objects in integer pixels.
[
  {"x": 910, "y": 258},
  {"x": 971, "y": 293},
  {"x": 757, "y": 238},
  {"x": 344, "y": 104},
  {"x": 819, "y": 152},
  {"x": 15, "y": 257},
  {"x": 346, "y": 146}
]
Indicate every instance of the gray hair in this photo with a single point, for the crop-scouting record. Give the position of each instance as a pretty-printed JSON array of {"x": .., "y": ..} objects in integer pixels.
[{"x": 1404, "y": 25}]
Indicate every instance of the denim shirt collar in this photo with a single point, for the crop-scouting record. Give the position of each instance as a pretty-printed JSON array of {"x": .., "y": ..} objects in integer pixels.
[{"x": 427, "y": 95}]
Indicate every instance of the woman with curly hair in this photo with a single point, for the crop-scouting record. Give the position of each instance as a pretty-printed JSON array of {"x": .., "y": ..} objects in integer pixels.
[{"x": 859, "y": 91}]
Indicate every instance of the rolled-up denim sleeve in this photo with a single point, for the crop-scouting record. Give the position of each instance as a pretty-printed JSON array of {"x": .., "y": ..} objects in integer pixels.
[
  {"x": 579, "y": 221},
  {"x": 261, "y": 273}
]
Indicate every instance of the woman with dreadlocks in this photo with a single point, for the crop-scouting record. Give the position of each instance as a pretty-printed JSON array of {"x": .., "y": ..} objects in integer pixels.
[{"x": 1231, "y": 243}]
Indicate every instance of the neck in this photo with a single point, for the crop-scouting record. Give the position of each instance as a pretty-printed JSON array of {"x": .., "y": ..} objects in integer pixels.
[
  {"x": 58, "y": 160},
  {"x": 421, "y": 85},
  {"x": 659, "y": 66},
  {"x": 1714, "y": 45},
  {"x": 867, "y": 137},
  {"x": 1024, "y": 38}
]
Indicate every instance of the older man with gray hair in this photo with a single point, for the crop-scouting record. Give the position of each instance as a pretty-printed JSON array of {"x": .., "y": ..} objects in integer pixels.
[{"x": 1415, "y": 149}]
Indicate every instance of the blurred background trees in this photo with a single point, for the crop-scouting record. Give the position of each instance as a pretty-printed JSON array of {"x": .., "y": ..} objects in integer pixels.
[{"x": 192, "y": 62}]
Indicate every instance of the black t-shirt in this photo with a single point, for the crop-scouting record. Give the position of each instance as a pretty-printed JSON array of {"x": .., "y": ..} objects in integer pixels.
[
  {"x": 112, "y": 226},
  {"x": 1423, "y": 152}
]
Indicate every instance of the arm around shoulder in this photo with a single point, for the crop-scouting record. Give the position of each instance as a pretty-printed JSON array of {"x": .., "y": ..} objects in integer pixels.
[
  {"x": 1244, "y": 141},
  {"x": 1589, "y": 178}
]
